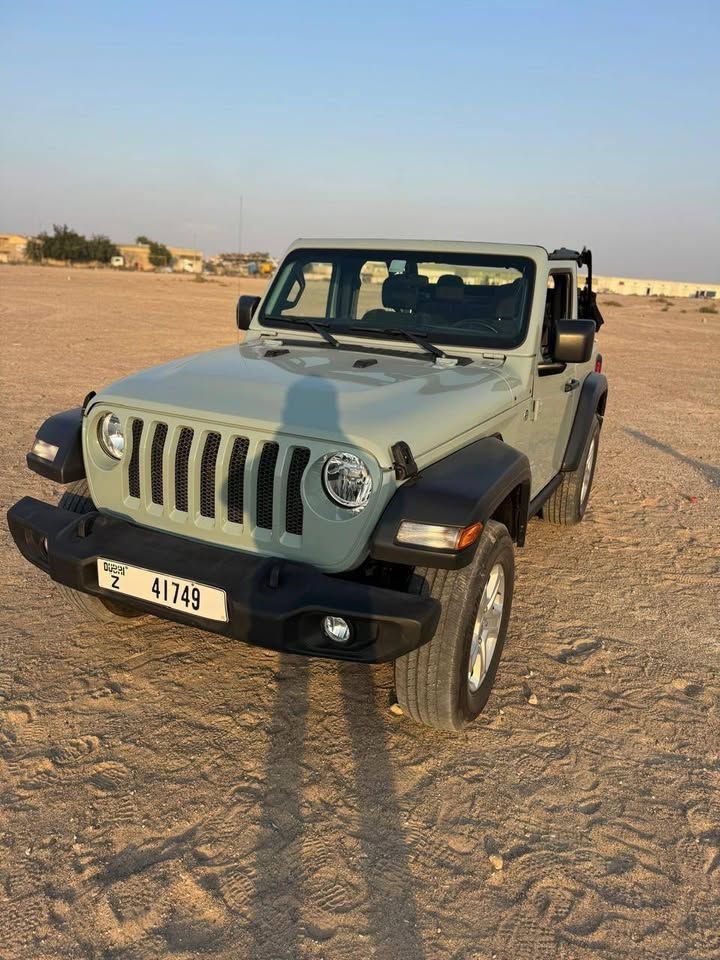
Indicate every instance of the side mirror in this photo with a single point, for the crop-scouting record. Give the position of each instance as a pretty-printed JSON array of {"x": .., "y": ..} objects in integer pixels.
[
  {"x": 245, "y": 310},
  {"x": 574, "y": 341}
]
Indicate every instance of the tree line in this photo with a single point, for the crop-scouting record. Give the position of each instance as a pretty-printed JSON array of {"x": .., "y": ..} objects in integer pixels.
[{"x": 67, "y": 244}]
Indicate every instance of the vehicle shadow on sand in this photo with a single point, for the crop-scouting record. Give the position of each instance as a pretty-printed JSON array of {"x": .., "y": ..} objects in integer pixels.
[
  {"x": 708, "y": 470},
  {"x": 280, "y": 906},
  {"x": 277, "y": 926}
]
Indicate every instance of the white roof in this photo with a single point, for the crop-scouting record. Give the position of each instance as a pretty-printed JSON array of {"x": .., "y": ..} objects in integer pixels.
[{"x": 534, "y": 251}]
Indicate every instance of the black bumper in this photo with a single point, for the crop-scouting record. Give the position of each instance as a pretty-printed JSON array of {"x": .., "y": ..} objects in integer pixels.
[{"x": 272, "y": 603}]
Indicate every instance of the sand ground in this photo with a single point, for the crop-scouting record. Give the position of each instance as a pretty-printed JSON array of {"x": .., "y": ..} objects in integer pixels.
[{"x": 165, "y": 792}]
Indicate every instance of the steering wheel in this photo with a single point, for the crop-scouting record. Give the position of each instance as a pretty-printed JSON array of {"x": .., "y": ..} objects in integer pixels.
[{"x": 493, "y": 325}]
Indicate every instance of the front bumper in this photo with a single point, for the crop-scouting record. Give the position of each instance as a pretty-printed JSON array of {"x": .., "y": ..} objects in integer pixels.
[{"x": 272, "y": 603}]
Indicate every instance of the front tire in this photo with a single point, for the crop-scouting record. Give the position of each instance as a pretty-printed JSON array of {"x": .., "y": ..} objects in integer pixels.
[
  {"x": 77, "y": 498},
  {"x": 447, "y": 682}
]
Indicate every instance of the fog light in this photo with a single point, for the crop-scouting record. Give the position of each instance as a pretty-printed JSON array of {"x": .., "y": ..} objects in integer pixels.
[{"x": 337, "y": 629}]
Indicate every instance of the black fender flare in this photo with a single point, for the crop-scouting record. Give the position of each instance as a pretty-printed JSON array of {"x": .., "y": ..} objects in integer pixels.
[
  {"x": 463, "y": 488},
  {"x": 592, "y": 400},
  {"x": 64, "y": 432}
]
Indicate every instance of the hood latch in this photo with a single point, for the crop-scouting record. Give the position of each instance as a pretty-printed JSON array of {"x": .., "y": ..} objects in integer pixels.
[{"x": 403, "y": 461}]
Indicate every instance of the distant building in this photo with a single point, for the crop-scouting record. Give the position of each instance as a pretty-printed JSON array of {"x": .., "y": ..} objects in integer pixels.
[
  {"x": 631, "y": 286},
  {"x": 186, "y": 260},
  {"x": 13, "y": 248},
  {"x": 137, "y": 257},
  {"x": 257, "y": 263}
]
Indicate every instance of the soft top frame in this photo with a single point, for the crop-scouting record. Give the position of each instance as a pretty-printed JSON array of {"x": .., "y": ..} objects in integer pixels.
[{"x": 587, "y": 298}]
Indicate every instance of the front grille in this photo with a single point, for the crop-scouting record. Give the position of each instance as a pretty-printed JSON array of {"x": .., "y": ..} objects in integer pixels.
[
  {"x": 265, "y": 491},
  {"x": 134, "y": 466},
  {"x": 207, "y": 475},
  {"x": 198, "y": 476},
  {"x": 293, "y": 503},
  {"x": 236, "y": 479},
  {"x": 182, "y": 456},
  {"x": 156, "y": 463}
]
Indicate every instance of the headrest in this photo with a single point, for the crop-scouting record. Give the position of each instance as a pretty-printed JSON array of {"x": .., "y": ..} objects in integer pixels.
[
  {"x": 508, "y": 299},
  {"x": 450, "y": 287},
  {"x": 399, "y": 292},
  {"x": 509, "y": 291}
]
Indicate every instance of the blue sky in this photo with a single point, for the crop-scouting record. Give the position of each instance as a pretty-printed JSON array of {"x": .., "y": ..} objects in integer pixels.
[{"x": 554, "y": 123}]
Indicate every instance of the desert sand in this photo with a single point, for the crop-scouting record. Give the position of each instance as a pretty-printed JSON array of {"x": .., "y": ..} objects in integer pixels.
[{"x": 170, "y": 793}]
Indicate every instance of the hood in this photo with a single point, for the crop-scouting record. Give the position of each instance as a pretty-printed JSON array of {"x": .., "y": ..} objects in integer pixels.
[{"x": 317, "y": 392}]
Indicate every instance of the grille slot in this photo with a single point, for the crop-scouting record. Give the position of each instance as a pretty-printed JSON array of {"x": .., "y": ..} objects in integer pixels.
[
  {"x": 293, "y": 501},
  {"x": 156, "y": 463},
  {"x": 182, "y": 456},
  {"x": 236, "y": 480},
  {"x": 134, "y": 466},
  {"x": 265, "y": 481},
  {"x": 207, "y": 475}
]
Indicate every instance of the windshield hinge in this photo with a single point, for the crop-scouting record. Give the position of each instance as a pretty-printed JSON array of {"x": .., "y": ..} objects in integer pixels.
[{"x": 403, "y": 461}]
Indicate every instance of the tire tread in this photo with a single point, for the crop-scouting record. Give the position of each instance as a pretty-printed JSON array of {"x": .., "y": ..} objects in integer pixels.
[
  {"x": 424, "y": 678},
  {"x": 563, "y": 506}
]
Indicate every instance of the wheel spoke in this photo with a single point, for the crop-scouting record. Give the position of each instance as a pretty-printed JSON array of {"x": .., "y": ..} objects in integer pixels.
[
  {"x": 587, "y": 473},
  {"x": 487, "y": 627}
]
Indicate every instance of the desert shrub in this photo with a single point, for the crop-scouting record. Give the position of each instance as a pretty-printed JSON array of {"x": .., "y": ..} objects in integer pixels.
[
  {"x": 611, "y": 303},
  {"x": 709, "y": 308}
]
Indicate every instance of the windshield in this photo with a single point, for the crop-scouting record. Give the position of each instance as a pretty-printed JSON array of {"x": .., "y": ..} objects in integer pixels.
[{"x": 478, "y": 300}]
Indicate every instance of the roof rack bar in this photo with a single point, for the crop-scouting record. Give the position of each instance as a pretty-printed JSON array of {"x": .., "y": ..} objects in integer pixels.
[{"x": 563, "y": 253}]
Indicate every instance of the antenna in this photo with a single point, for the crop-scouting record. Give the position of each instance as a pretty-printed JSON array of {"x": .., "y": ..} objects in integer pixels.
[{"x": 240, "y": 225}]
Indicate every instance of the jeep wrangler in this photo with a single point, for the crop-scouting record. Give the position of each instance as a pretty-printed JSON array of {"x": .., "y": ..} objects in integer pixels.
[{"x": 350, "y": 480}]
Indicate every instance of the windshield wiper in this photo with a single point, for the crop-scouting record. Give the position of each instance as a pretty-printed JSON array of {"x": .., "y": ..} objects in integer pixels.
[
  {"x": 419, "y": 339},
  {"x": 319, "y": 328}
]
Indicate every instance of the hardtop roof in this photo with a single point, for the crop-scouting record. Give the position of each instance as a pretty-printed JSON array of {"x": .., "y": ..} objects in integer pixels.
[{"x": 534, "y": 251}]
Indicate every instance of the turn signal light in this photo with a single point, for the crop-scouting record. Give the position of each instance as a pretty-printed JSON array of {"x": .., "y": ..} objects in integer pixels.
[
  {"x": 469, "y": 535},
  {"x": 598, "y": 363},
  {"x": 436, "y": 537}
]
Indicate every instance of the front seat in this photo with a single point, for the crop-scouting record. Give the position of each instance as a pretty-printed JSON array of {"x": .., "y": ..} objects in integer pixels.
[
  {"x": 507, "y": 307},
  {"x": 447, "y": 300},
  {"x": 399, "y": 295}
]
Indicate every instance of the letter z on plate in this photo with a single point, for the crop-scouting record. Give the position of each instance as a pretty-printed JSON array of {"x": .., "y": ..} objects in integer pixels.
[{"x": 174, "y": 592}]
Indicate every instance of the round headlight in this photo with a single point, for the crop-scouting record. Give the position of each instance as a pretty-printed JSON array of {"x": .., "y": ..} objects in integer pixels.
[
  {"x": 347, "y": 480},
  {"x": 112, "y": 439}
]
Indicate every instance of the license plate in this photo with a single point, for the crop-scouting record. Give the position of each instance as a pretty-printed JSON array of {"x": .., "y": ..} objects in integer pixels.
[{"x": 185, "y": 595}]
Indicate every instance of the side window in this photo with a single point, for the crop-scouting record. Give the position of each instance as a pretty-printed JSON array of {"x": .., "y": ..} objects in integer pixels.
[
  {"x": 372, "y": 276},
  {"x": 557, "y": 307},
  {"x": 304, "y": 292}
]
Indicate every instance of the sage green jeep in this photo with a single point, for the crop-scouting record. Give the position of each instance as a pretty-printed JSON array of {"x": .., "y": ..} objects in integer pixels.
[{"x": 351, "y": 479}]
